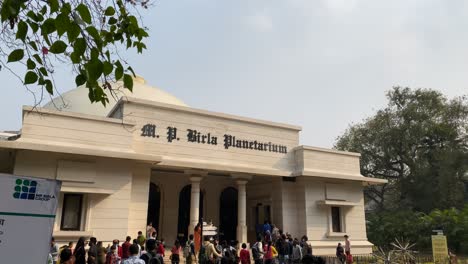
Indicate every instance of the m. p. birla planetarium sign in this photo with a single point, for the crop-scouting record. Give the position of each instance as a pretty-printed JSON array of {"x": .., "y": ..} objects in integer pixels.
[{"x": 229, "y": 141}]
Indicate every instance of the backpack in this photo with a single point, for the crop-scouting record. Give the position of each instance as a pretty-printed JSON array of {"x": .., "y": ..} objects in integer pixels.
[
  {"x": 202, "y": 258},
  {"x": 187, "y": 250},
  {"x": 153, "y": 259},
  {"x": 255, "y": 251}
]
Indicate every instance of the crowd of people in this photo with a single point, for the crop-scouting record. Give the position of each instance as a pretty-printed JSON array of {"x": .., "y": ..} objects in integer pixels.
[{"x": 272, "y": 246}]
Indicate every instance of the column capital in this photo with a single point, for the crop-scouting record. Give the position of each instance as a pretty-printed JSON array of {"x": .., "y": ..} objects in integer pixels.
[
  {"x": 241, "y": 176},
  {"x": 196, "y": 173},
  {"x": 241, "y": 182},
  {"x": 196, "y": 179}
]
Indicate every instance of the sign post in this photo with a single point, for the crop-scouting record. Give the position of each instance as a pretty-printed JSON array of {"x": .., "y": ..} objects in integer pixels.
[
  {"x": 439, "y": 248},
  {"x": 27, "y": 213}
]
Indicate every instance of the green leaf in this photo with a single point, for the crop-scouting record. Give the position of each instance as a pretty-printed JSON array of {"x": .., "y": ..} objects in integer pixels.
[
  {"x": 30, "y": 64},
  {"x": 62, "y": 23},
  {"x": 22, "y": 30},
  {"x": 66, "y": 8},
  {"x": 131, "y": 70},
  {"x": 118, "y": 70},
  {"x": 49, "y": 87},
  {"x": 54, "y": 6},
  {"x": 58, "y": 47},
  {"x": 110, "y": 11},
  {"x": 94, "y": 53},
  {"x": 95, "y": 35},
  {"x": 108, "y": 67},
  {"x": 84, "y": 13},
  {"x": 128, "y": 81},
  {"x": 75, "y": 57},
  {"x": 80, "y": 80},
  {"x": 34, "y": 26},
  {"x": 30, "y": 77},
  {"x": 32, "y": 15},
  {"x": 48, "y": 26},
  {"x": 112, "y": 21},
  {"x": 16, "y": 55},
  {"x": 93, "y": 32},
  {"x": 94, "y": 69},
  {"x": 73, "y": 32},
  {"x": 33, "y": 45},
  {"x": 38, "y": 59},
  {"x": 43, "y": 71},
  {"x": 43, "y": 10},
  {"x": 80, "y": 46}
]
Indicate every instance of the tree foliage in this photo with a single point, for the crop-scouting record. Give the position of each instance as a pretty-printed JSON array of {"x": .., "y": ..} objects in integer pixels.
[
  {"x": 419, "y": 143},
  {"x": 84, "y": 34},
  {"x": 417, "y": 227}
]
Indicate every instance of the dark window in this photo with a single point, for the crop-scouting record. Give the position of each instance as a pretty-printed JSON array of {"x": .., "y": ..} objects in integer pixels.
[
  {"x": 336, "y": 219},
  {"x": 71, "y": 212}
]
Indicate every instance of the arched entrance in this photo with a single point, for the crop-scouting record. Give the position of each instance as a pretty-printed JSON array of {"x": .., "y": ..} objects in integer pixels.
[
  {"x": 154, "y": 205},
  {"x": 184, "y": 212},
  {"x": 228, "y": 214}
]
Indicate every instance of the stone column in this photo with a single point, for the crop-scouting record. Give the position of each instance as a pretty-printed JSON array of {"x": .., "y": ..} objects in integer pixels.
[
  {"x": 241, "y": 211},
  {"x": 194, "y": 202}
]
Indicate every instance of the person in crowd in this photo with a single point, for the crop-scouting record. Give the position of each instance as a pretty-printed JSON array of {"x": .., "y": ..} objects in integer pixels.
[
  {"x": 210, "y": 251},
  {"x": 70, "y": 246},
  {"x": 219, "y": 249},
  {"x": 175, "y": 253},
  {"x": 267, "y": 237},
  {"x": 275, "y": 234},
  {"x": 266, "y": 227},
  {"x": 118, "y": 249},
  {"x": 112, "y": 256},
  {"x": 66, "y": 256},
  {"x": 283, "y": 249},
  {"x": 54, "y": 250},
  {"x": 141, "y": 240},
  {"x": 135, "y": 242},
  {"x": 296, "y": 255},
  {"x": 197, "y": 238},
  {"x": 80, "y": 252},
  {"x": 153, "y": 236},
  {"x": 150, "y": 256},
  {"x": 134, "y": 258},
  {"x": 189, "y": 250},
  {"x": 126, "y": 248},
  {"x": 270, "y": 253},
  {"x": 347, "y": 243},
  {"x": 160, "y": 250},
  {"x": 101, "y": 253},
  {"x": 244, "y": 255},
  {"x": 150, "y": 230},
  {"x": 306, "y": 247},
  {"x": 340, "y": 253},
  {"x": 257, "y": 251},
  {"x": 92, "y": 251},
  {"x": 349, "y": 257}
]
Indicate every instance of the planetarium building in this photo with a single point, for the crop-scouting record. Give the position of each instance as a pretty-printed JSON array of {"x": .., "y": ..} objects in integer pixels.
[{"x": 148, "y": 157}]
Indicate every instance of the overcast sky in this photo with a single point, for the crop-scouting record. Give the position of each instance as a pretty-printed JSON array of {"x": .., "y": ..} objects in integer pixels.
[{"x": 320, "y": 64}]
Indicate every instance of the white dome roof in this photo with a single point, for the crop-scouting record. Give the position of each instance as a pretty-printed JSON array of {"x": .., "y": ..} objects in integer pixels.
[{"x": 77, "y": 99}]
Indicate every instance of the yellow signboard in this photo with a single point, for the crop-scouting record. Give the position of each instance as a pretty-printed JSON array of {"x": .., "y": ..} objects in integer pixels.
[{"x": 439, "y": 249}]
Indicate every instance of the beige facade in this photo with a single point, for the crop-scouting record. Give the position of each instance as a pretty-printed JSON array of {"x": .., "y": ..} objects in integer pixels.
[{"x": 233, "y": 171}]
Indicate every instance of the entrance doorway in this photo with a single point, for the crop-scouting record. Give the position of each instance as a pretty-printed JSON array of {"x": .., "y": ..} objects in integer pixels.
[
  {"x": 154, "y": 206},
  {"x": 184, "y": 212},
  {"x": 228, "y": 214}
]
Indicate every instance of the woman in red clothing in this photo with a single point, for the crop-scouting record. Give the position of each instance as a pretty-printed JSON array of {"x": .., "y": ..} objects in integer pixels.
[
  {"x": 244, "y": 255},
  {"x": 175, "y": 253}
]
